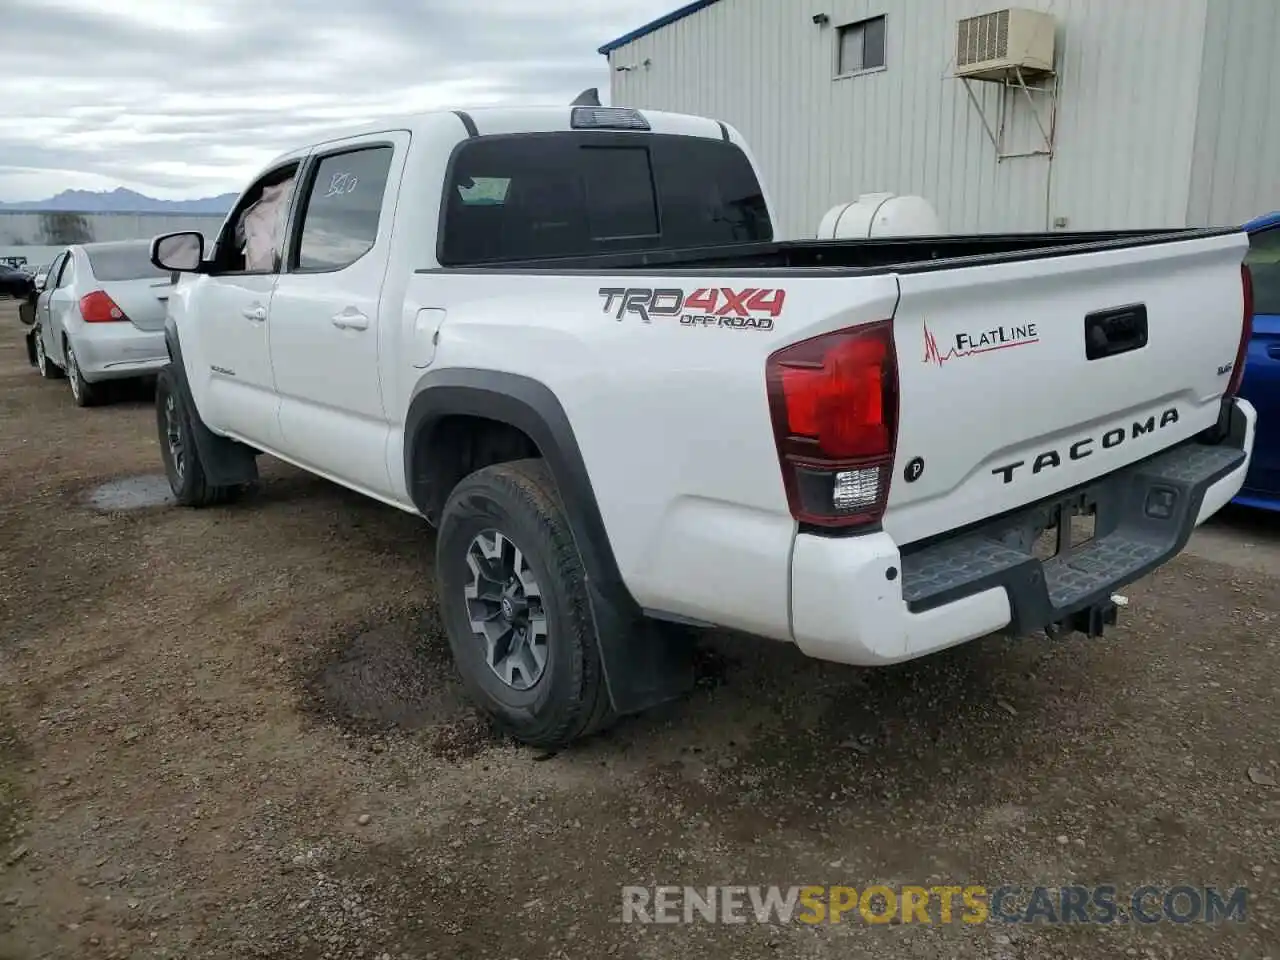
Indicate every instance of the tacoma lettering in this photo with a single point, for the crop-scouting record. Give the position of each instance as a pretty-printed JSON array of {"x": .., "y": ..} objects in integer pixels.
[{"x": 1084, "y": 448}]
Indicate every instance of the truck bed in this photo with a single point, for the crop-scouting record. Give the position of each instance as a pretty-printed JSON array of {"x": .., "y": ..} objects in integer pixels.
[{"x": 851, "y": 257}]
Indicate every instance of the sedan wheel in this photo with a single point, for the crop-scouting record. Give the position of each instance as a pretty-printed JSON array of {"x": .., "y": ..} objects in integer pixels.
[
  {"x": 73, "y": 373},
  {"x": 47, "y": 368},
  {"x": 84, "y": 392}
]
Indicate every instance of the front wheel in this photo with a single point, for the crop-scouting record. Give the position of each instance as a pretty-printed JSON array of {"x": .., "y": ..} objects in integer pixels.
[
  {"x": 178, "y": 450},
  {"x": 513, "y": 598}
]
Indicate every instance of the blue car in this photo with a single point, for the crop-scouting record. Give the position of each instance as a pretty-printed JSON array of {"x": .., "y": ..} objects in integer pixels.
[{"x": 1261, "y": 384}]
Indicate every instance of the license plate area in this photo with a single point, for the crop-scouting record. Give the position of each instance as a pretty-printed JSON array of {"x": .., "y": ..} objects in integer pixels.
[{"x": 1057, "y": 529}]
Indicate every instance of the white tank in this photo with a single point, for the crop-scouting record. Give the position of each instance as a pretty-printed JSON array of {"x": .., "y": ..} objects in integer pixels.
[{"x": 875, "y": 215}]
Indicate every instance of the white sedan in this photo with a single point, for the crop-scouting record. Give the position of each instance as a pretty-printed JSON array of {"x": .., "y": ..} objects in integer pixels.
[{"x": 101, "y": 316}]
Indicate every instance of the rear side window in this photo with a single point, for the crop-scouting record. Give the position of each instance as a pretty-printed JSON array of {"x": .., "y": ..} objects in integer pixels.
[
  {"x": 561, "y": 195},
  {"x": 131, "y": 262},
  {"x": 344, "y": 207},
  {"x": 1263, "y": 260}
]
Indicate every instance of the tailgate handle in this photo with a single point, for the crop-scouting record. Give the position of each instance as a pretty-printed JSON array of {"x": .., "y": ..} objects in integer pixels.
[{"x": 1108, "y": 333}]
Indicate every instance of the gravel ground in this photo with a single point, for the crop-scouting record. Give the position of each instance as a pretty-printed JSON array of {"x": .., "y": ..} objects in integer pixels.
[{"x": 236, "y": 733}]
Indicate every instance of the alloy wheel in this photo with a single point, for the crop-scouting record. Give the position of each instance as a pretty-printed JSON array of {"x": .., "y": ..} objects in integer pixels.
[
  {"x": 173, "y": 436},
  {"x": 73, "y": 372},
  {"x": 504, "y": 604}
]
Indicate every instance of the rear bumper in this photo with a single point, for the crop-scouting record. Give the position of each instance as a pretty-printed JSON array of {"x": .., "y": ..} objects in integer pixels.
[
  {"x": 860, "y": 600},
  {"x": 117, "y": 350}
]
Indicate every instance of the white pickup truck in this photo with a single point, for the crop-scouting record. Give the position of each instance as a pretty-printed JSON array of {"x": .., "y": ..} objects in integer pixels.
[{"x": 568, "y": 339}]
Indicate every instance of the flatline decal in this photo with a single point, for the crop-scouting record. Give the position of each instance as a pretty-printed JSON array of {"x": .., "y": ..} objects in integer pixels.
[{"x": 968, "y": 345}]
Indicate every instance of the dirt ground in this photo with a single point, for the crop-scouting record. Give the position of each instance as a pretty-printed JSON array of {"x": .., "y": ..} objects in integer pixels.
[{"x": 236, "y": 733}]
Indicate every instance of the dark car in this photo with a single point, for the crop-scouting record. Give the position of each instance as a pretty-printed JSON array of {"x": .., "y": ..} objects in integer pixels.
[{"x": 15, "y": 283}]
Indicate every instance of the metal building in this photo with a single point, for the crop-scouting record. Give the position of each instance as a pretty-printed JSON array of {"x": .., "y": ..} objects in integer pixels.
[
  {"x": 36, "y": 236},
  {"x": 1067, "y": 114}
]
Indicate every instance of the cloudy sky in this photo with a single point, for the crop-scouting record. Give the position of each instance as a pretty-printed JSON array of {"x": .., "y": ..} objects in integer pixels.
[{"x": 186, "y": 98}]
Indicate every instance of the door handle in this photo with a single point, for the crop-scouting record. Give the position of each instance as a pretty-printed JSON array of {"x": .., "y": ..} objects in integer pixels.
[
  {"x": 1273, "y": 351},
  {"x": 350, "y": 319},
  {"x": 1108, "y": 333},
  {"x": 254, "y": 313}
]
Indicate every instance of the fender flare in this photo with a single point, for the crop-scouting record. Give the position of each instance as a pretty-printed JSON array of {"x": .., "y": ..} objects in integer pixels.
[
  {"x": 226, "y": 463},
  {"x": 533, "y": 409},
  {"x": 645, "y": 663}
]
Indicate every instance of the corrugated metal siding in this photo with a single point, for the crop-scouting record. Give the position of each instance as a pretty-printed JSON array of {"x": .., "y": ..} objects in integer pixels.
[
  {"x": 1236, "y": 168},
  {"x": 39, "y": 235},
  {"x": 1126, "y": 123}
]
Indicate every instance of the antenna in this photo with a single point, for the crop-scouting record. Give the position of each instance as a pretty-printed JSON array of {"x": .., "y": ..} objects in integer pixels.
[{"x": 589, "y": 97}]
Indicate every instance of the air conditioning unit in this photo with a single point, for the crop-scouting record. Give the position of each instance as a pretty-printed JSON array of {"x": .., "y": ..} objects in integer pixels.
[{"x": 994, "y": 45}]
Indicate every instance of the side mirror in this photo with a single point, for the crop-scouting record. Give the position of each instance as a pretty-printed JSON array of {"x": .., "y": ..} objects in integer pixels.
[
  {"x": 39, "y": 283},
  {"x": 179, "y": 252}
]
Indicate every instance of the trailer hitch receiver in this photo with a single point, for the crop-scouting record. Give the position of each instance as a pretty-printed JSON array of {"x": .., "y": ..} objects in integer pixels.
[{"x": 1092, "y": 621}]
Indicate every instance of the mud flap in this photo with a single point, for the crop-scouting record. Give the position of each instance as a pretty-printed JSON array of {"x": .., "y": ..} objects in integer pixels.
[
  {"x": 226, "y": 463},
  {"x": 646, "y": 662}
]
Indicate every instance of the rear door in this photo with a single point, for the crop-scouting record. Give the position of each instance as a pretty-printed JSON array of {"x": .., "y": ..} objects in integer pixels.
[
  {"x": 325, "y": 320},
  {"x": 125, "y": 273},
  {"x": 1261, "y": 385},
  {"x": 1021, "y": 380}
]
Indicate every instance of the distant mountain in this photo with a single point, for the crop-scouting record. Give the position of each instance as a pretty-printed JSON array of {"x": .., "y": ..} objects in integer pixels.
[{"x": 121, "y": 200}]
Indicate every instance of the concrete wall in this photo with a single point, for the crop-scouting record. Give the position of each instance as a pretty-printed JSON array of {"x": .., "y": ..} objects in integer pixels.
[
  {"x": 1128, "y": 80},
  {"x": 39, "y": 235}
]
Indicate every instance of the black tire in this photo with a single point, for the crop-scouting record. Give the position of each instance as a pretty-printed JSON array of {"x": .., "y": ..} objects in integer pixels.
[
  {"x": 84, "y": 393},
  {"x": 179, "y": 453},
  {"x": 44, "y": 366},
  {"x": 568, "y": 700}
]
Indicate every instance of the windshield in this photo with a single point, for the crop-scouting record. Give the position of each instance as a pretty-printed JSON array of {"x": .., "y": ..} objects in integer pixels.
[{"x": 125, "y": 262}]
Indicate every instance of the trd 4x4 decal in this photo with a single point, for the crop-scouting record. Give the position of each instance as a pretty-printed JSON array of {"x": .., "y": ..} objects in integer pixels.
[{"x": 747, "y": 309}]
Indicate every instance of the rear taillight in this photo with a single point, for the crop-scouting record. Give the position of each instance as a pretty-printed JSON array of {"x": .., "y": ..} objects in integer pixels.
[
  {"x": 1246, "y": 333},
  {"x": 97, "y": 307},
  {"x": 834, "y": 403}
]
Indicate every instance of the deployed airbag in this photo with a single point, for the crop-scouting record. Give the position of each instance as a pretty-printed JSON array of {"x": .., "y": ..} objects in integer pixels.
[{"x": 261, "y": 227}]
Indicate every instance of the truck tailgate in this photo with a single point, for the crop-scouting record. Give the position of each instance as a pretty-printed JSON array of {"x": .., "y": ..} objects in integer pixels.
[{"x": 1020, "y": 380}]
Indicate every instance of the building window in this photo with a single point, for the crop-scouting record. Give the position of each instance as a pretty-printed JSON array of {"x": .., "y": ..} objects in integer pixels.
[{"x": 861, "y": 46}]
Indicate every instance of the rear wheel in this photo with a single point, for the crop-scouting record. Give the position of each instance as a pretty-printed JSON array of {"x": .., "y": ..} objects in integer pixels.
[
  {"x": 83, "y": 392},
  {"x": 514, "y": 601},
  {"x": 48, "y": 369},
  {"x": 178, "y": 450}
]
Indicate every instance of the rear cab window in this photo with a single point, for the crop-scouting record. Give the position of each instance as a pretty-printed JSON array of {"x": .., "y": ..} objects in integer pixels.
[
  {"x": 112, "y": 264},
  {"x": 533, "y": 196}
]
